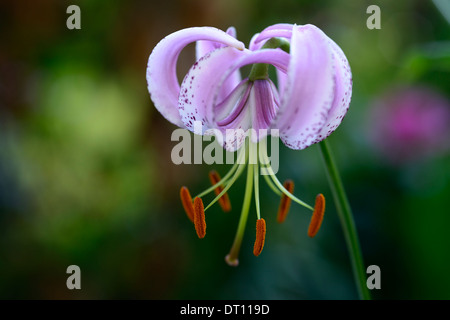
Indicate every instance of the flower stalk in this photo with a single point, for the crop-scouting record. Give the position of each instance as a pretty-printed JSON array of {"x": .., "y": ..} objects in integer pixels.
[{"x": 346, "y": 219}]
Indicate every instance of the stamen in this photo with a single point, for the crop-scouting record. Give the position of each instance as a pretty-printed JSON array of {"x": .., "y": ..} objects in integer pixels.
[
  {"x": 264, "y": 162},
  {"x": 271, "y": 185},
  {"x": 199, "y": 218},
  {"x": 224, "y": 180},
  {"x": 317, "y": 217},
  {"x": 285, "y": 202},
  {"x": 224, "y": 201},
  {"x": 283, "y": 189},
  {"x": 186, "y": 200},
  {"x": 260, "y": 236},
  {"x": 269, "y": 171},
  {"x": 256, "y": 182},
  {"x": 229, "y": 184}
]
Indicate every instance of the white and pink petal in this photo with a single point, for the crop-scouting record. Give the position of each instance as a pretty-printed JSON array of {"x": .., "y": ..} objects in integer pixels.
[
  {"x": 161, "y": 75},
  {"x": 204, "y": 47},
  {"x": 280, "y": 30},
  {"x": 309, "y": 90},
  {"x": 201, "y": 86},
  {"x": 342, "y": 92}
]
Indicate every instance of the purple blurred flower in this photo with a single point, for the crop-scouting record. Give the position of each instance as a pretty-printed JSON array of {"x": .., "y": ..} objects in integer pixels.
[
  {"x": 313, "y": 94},
  {"x": 410, "y": 123}
]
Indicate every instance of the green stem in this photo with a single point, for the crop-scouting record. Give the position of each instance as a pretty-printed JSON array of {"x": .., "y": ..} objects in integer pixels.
[
  {"x": 346, "y": 218},
  {"x": 259, "y": 71}
]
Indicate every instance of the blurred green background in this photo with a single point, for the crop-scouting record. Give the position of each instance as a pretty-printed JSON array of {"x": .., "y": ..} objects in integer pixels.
[{"x": 86, "y": 176}]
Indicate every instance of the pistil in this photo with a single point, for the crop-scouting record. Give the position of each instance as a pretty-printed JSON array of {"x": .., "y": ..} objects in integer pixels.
[{"x": 232, "y": 257}]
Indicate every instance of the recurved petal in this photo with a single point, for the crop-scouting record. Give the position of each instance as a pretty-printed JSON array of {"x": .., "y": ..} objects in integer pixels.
[
  {"x": 280, "y": 30},
  {"x": 253, "y": 46},
  {"x": 309, "y": 90},
  {"x": 162, "y": 80},
  {"x": 342, "y": 92},
  {"x": 201, "y": 84},
  {"x": 203, "y": 47},
  {"x": 281, "y": 80},
  {"x": 279, "y": 26}
]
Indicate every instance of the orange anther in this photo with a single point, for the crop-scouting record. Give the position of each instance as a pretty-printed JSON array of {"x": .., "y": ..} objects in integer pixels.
[
  {"x": 186, "y": 200},
  {"x": 199, "y": 218},
  {"x": 260, "y": 236},
  {"x": 285, "y": 202},
  {"x": 317, "y": 217},
  {"x": 224, "y": 200}
]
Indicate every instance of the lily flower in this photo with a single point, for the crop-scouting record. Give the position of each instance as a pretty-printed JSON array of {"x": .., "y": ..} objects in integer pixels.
[{"x": 312, "y": 96}]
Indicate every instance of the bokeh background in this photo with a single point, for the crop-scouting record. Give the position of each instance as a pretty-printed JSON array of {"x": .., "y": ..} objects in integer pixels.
[{"x": 86, "y": 176}]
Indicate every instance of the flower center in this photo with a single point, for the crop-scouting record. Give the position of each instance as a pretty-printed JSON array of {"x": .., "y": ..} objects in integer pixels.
[{"x": 251, "y": 105}]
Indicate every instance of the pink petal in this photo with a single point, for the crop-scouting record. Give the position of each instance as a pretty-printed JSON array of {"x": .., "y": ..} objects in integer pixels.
[
  {"x": 201, "y": 84},
  {"x": 342, "y": 92},
  {"x": 281, "y": 30},
  {"x": 281, "y": 80},
  {"x": 253, "y": 46},
  {"x": 230, "y": 108},
  {"x": 253, "y": 105},
  {"x": 263, "y": 103},
  {"x": 235, "y": 117},
  {"x": 275, "y": 57},
  {"x": 309, "y": 91},
  {"x": 203, "y": 47},
  {"x": 277, "y": 30},
  {"x": 162, "y": 80}
]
